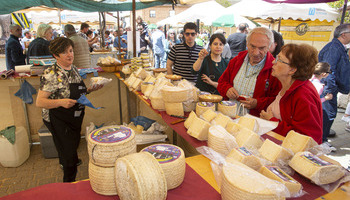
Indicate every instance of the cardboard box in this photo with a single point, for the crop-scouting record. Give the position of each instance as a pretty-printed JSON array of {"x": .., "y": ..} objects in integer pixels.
[{"x": 46, "y": 141}]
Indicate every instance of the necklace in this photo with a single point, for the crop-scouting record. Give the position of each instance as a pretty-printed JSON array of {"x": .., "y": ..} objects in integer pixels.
[{"x": 216, "y": 64}]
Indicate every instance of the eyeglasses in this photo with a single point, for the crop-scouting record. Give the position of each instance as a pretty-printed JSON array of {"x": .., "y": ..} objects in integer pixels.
[
  {"x": 278, "y": 59},
  {"x": 173, "y": 34},
  {"x": 192, "y": 34}
]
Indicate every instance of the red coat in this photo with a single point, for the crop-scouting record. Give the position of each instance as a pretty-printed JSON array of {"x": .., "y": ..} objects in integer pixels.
[
  {"x": 266, "y": 87},
  {"x": 301, "y": 111}
]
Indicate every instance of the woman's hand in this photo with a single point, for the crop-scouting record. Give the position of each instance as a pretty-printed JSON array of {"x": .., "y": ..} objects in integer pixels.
[
  {"x": 94, "y": 88},
  {"x": 249, "y": 103},
  {"x": 232, "y": 93},
  {"x": 67, "y": 103},
  {"x": 328, "y": 97},
  {"x": 202, "y": 54},
  {"x": 266, "y": 115},
  {"x": 207, "y": 80}
]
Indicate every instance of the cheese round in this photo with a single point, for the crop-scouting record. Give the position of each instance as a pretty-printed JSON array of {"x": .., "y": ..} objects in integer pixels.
[
  {"x": 228, "y": 108},
  {"x": 139, "y": 177},
  {"x": 102, "y": 179},
  {"x": 201, "y": 107},
  {"x": 174, "y": 109},
  {"x": 108, "y": 143},
  {"x": 173, "y": 94},
  {"x": 172, "y": 160}
]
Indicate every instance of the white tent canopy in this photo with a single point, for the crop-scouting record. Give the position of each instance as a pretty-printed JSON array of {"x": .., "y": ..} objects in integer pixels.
[{"x": 206, "y": 12}]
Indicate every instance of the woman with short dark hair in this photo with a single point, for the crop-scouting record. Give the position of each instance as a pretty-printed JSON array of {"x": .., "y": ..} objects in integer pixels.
[{"x": 297, "y": 106}]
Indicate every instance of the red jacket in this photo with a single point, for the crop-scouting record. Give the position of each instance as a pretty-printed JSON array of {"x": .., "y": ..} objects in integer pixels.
[
  {"x": 301, "y": 111},
  {"x": 266, "y": 87}
]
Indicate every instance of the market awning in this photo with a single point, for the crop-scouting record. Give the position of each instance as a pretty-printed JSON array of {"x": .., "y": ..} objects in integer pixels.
[{"x": 299, "y": 1}]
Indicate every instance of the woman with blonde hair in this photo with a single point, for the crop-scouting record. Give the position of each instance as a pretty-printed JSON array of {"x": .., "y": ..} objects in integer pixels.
[{"x": 40, "y": 46}]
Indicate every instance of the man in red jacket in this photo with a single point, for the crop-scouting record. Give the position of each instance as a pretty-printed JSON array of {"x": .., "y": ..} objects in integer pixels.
[{"x": 249, "y": 74}]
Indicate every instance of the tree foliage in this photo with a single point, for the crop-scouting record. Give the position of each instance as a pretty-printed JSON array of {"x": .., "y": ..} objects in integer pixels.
[
  {"x": 339, "y": 6},
  {"x": 224, "y": 3}
]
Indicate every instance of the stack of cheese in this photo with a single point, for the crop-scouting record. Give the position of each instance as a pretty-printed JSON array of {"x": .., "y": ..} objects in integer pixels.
[
  {"x": 228, "y": 108},
  {"x": 173, "y": 97},
  {"x": 172, "y": 160},
  {"x": 145, "y": 60},
  {"x": 197, "y": 127},
  {"x": 136, "y": 63},
  {"x": 105, "y": 146},
  {"x": 156, "y": 94},
  {"x": 201, "y": 107},
  {"x": 140, "y": 177},
  {"x": 190, "y": 103},
  {"x": 220, "y": 140}
]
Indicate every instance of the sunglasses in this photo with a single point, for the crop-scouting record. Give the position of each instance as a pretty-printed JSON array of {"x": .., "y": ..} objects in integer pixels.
[{"x": 192, "y": 34}]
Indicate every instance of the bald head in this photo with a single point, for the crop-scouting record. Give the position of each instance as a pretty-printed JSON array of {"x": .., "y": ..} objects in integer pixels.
[{"x": 16, "y": 30}]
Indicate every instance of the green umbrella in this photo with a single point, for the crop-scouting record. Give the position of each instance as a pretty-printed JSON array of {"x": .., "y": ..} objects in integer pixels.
[
  {"x": 152, "y": 26},
  {"x": 230, "y": 20}
]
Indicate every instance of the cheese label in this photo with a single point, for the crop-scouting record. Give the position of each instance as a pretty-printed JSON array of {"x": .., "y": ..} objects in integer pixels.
[
  {"x": 281, "y": 174},
  {"x": 164, "y": 153},
  {"x": 315, "y": 160},
  {"x": 244, "y": 151},
  {"x": 227, "y": 103},
  {"x": 206, "y": 104},
  {"x": 111, "y": 134}
]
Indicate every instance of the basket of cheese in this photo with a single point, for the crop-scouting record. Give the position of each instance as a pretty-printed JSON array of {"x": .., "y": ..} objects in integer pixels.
[{"x": 109, "y": 64}]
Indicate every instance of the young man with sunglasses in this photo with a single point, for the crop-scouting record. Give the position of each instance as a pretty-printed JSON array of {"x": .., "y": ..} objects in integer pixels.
[{"x": 182, "y": 56}]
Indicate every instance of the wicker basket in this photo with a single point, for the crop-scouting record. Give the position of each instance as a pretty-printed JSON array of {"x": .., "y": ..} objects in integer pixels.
[
  {"x": 102, "y": 179},
  {"x": 111, "y": 68}
]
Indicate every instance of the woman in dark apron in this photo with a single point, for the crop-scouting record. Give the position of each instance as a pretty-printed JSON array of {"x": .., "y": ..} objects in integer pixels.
[{"x": 60, "y": 87}]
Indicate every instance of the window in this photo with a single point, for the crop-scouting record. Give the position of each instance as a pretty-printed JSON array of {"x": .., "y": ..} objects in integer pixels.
[
  {"x": 152, "y": 13},
  {"x": 171, "y": 13}
]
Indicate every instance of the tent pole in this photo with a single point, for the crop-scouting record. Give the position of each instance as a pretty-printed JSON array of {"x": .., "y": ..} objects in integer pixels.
[
  {"x": 119, "y": 50},
  {"x": 279, "y": 24},
  {"x": 134, "y": 27},
  {"x": 344, "y": 11},
  {"x": 59, "y": 18}
]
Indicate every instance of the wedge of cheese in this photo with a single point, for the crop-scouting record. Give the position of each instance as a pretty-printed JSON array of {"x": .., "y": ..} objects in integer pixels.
[
  {"x": 276, "y": 173},
  {"x": 137, "y": 84},
  {"x": 314, "y": 168},
  {"x": 174, "y": 94},
  {"x": 144, "y": 86},
  {"x": 234, "y": 128},
  {"x": 190, "y": 119},
  {"x": 174, "y": 109},
  {"x": 244, "y": 156},
  {"x": 274, "y": 152},
  {"x": 199, "y": 129},
  {"x": 220, "y": 140},
  {"x": 189, "y": 105},
  {"x": 249, "y": 123},
  {"x": 249, "y": 139},
  {"x": 141, "y": 73},
  {"x": 221, "y": 120},
  {"x": 157, "y": 103},
  {"x": 148, "y": 90},
  {"x": 298, "y": 142},
  {"x": 228, "y": 108},
  {"x": 201, "y": 107},
  {"x": 209, "y": 115}
]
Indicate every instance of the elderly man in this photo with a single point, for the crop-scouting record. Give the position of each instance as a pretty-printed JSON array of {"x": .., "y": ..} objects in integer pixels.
[
  {"x": 81, "y": 48},
  {"x": 13, "y": 49},
  {"x": 247, "y": 79},
  {"x": 237, "y": 41}
]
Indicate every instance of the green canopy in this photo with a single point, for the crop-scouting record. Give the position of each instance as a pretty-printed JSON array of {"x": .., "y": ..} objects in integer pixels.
[
  {"x": 9, "y": 6},
  {"x": 230, "y": 20},
  {"x": 152, "y": 26}
]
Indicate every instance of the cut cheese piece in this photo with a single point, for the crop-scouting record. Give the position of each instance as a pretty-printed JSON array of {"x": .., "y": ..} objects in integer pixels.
[
  {"x": 241, "y": 182},
  {"x": 139, "y": 177},
  {"x": 209, "y": 115},
  {"x": 234, "y": 128},
  {"x": 141, "y": 73},
  {"x": 220, "y": 140},
  {"x": 147, "y": 78},
  {"x": 298, "y": 142},
  {"x": 244, "y": 156},
  {"x": 249, "y": 139},
  {"x": 228, "y": 108},
  {"x": 249, "y": 123},
  {"x": 199, "y": 129},
  {"x": 274, "y": 152},
  {"x": 314, "y": 168},
  {"x": 276, "y": 173},
  {"x": 174, "y": 109},
  {"x": 172, "y": 160},
  {"x": 190, "y": 119},
  {"x": 161, "y": 75},
  {"x": 201, "y": 107},
  {"x": 157, "y": 103},
  {"x": 148, "y": 90},
  {"x": 151, "y": 79},
  {"x": 174, "y": 94},
  {"x": 144, "y": 86},
  {"x": 221, "y": 120},
  {"x": 131, "y": 81},
  {"x": 137, "y": 84},
  {"x": 189, "y": 106}
]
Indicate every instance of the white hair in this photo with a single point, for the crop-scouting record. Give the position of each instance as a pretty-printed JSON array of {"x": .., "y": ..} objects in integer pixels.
[{"x": 264, "y": 31}]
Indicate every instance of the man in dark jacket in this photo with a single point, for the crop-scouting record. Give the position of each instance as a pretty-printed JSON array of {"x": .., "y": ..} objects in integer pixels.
[
  {"x": 13, "y": 49},
  {"x": 237, "y": 41}
]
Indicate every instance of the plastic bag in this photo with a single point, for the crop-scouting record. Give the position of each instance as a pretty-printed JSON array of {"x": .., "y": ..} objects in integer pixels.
[
  {"x": 25, "y": 92},
  {"x": 143, "y": 121}
]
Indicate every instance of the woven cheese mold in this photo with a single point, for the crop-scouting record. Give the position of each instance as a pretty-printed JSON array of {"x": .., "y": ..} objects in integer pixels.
[
  {"x": 172, "y": 160},
  {"x": 140, "y": 177},
  {"x": 102, "y": 179},
  {"x": 241, "y": 182},
  {"x": 108, "y": 143}
]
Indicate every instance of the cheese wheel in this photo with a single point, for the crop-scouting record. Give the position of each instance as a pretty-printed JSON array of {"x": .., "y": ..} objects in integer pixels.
[
  {"x": 314, "y": 168},
  {"x": 174, "y": 94},
  {"x": 199, "y": 129},
  {"x": 221, "y": 120},
  {"x": 201, "y": 107},
  {"x": 234, "y": 128},
  {"x": 298, "y": 142},
  {"x": 174, "y": 109},
  {"x": 209, "y": 115},
  {"x": 228, "y": 108},
  {"x": 274, "y": 152},
  {"x": 140, "y": 177},
  {"x": 220, "y": 140},
  {"x": 244, "y": 156},
  {"x": 249, "y": 139},
  {"x": 241, "y": 182},
  {"x": 276, "y": 173},
  {"x": 157, "y": 103},
  {"x": 108, "y": 143},
  {"x": 172, "y": 160},
  {"x": 102, "y": 179},
  {"x": 189, "y": 120},
  {"x": 249, "y": 123}
]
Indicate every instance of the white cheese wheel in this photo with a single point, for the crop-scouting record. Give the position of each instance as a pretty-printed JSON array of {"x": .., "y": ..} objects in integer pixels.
[
  {"x": 249, "y": 123},
  {"x": 298, "y": 142},
  {"x": 316, "y": 169},
  {"x": 220, "y": 140},
  {"x": 221, "y": 120},
  {"x": 102, "y": 179},
  {"x": 174, "y": 109},
  {"x": 249, "y": 139},
  {"x": 172, "y": 160},
  {"x": 209, "y": 115},
  {"x": 241, "y": 182},
  {"x": 274, "y": 152},
  {"x": 157, "y": 103},
  {"x": 140, "y": 177},
  {"x": 189, "y": 120},
  {"x": 199, "y": 129},
  {"x": 201, "y": 107},
  {"x": 174, "y": 94},
  {"x": 108, "y": 143},
  {"x": 276, "y": 173},
  {"x": 228, "y": 108},
  {"x": 244, "y": 156},
  {"x": 234, "y": 128}
]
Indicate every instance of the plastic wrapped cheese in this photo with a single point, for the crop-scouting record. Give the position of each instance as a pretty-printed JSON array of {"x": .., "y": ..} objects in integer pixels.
[
  {"x": 174, "y": 94},
  {"x": 249, "y": 123},
  {"x": 201, "y": 107},
  {"x": 209, "y": 115},
  {"x": 220, "y": 140},
  {"x": 234, "y": 128},
  {"x": 276, "y": 173},
  {"x": 249, "y": 139},
  {"x": 228, "y": 108},
  {"x": 221, "y": 120},
  {"x": 174, "y": 109},
  {"x": 190, "y": 119},
  {"x": 199, "y": 129},
  {"x": 314, "y": 168},
  {"x": 274, "y": 152},
  {"x": 157, "y": 103},
  {"x": 141, "y": 73},
  {"x": 189, "y": 106},
  {"x": 298, "y": 142},
  {"x": 243, "y": 155}
]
